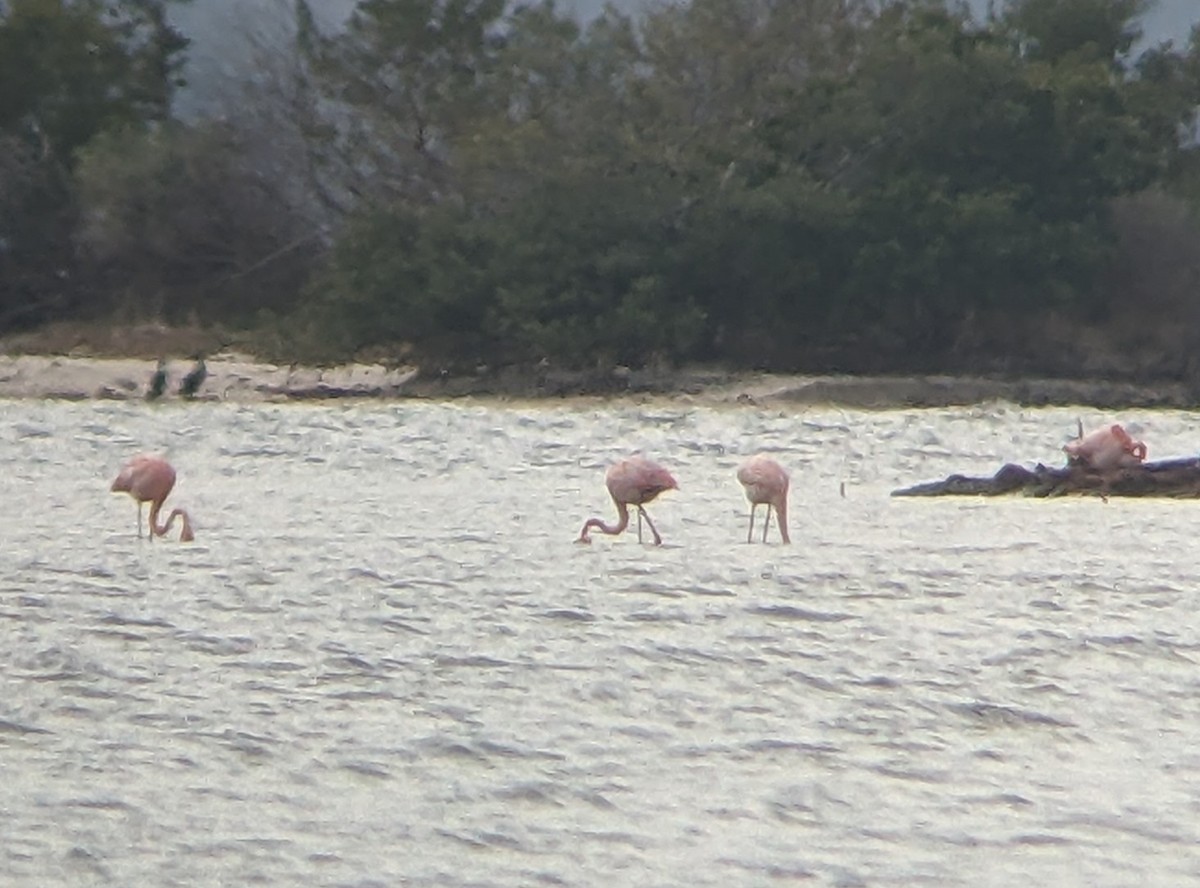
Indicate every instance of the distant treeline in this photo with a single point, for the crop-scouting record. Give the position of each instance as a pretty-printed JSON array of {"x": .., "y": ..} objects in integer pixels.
[{"x": 813, "y": 185}]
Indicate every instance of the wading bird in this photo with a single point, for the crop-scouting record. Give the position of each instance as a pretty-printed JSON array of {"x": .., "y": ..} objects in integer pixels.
[
  {"x": 766, "y": 484},
  {"x": 194, "y": 379},
  {"x": 149, "y": 479},
  {"x": 1107, "y": 448},
  {"x": 158, "y": 382},
  {"x": 631, "y": 482}
]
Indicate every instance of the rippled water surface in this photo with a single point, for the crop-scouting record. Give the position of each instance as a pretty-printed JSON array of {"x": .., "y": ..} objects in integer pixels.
[{"x": 384, "y": 661}]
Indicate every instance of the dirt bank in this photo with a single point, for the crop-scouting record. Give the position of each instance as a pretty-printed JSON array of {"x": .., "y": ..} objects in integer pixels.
[{"x": 240, "y": 378}]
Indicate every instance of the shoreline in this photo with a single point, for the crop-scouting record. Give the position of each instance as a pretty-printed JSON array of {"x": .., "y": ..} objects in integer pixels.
[{"x": 239, "y": 378}]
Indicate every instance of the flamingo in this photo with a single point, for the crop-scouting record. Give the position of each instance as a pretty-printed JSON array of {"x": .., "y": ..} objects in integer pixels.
[
  {"x": 149, "y": 479},
  {"x": 766, "y": 484},
  {"x": 631, "y": 482},
  {"x": 1107, "y": 448}
]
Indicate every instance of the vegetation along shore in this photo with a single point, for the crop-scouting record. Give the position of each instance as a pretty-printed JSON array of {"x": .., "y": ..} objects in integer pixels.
[{"x": 823, "y": 189}]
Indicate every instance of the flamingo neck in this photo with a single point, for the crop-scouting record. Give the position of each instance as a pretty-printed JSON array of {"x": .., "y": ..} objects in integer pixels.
[
  {"x": 610, "y": 529},
  {"x": 185, "y": 534}
]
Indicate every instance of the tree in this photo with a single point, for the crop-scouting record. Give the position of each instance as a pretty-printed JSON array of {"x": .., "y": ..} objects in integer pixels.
[
  {"x": 979, "y": 177},
  {"x": 1054, "y": 31},
  {"x": 68, "y": 71},
  {"x": 178, "y": 226},
  {"x": 271, "y": 96},
  {"x": 402, "y": 81},
  {"x": 822, "y": 184}
]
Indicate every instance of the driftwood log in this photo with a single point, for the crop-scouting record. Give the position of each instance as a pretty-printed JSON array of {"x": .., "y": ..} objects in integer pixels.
[{"x": 1177, "y": 478}]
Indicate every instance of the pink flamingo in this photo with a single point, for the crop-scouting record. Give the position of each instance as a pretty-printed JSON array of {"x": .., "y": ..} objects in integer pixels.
[
  {"x": 632, "y": 482},
  {"x": 766, "y": 484},
  {"x": 149, "y": 479},
  {"x": 1107, "y": 448}
]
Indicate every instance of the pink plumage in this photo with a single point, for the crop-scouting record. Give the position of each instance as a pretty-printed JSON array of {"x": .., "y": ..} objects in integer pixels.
[
  {"x": 766, "y": 484},
  {"x": 1107, "y": 448},
  {"x": 150, "y": 479},
  {"x": 631, "y": 482}
]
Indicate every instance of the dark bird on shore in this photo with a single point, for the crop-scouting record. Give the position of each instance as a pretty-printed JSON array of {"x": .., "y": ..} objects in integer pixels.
[
  {"x": 194, "y": 379},
  {"x": 158, "y": 382}
]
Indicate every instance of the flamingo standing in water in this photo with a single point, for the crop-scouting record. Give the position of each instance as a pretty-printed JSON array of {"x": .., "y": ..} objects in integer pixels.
[
  {"x": 766, "y": 484},
  {"x": 631, "y": 482},
  {"x": 149, "y": 479}
]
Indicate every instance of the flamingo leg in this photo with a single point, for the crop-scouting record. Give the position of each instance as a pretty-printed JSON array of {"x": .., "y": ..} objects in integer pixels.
[
  {"x": 767, "y": 522},
  {"x": 657, "y": 538},
  {"x": 139, "y": 523},
  {"x": 750, "y": 532}
]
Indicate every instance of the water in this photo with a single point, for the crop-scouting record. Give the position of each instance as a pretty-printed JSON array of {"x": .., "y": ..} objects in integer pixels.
[{"x": 384, "y": 661}]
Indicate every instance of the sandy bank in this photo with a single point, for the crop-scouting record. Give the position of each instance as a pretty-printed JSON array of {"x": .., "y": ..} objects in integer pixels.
[
  {"x": 230, "y": 377},
  {"x": 237, "y": 378}
]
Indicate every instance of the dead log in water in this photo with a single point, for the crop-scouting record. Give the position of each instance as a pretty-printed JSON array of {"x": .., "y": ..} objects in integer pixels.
[{"x": 1174, "y": 478}]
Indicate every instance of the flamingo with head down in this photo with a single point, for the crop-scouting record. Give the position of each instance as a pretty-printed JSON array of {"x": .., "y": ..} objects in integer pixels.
[
  {"x": 149, "y": 479},
  {"x": 631, "y": 482},
  {"x": 1105, "y": 449},
  {"x": 766, "y": 484}
]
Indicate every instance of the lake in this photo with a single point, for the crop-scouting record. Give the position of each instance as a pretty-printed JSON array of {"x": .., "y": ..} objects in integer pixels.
[{"x": 385, "y": 661}]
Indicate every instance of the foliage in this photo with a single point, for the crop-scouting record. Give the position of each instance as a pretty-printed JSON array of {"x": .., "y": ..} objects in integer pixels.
[
  {"x": 407, "y": 71},
  {"x": 71, "y": 70},
  {"x": 808, "y": 185},
  {"x": 180, "y": 228},
  {"x": 36, "y": 218},
  {"x": 1082, "y": 31},
  {"x": 816, "y": 184},
  {"x": 68, "y": 72}
]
